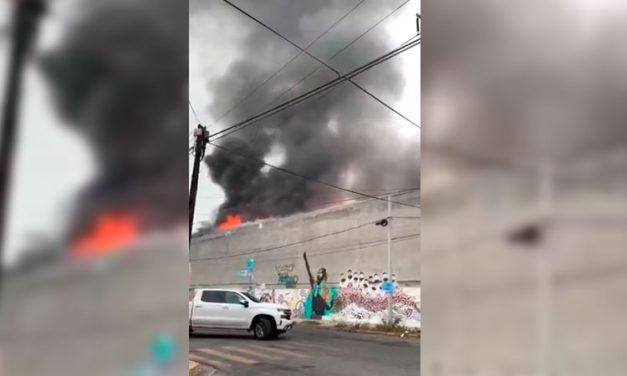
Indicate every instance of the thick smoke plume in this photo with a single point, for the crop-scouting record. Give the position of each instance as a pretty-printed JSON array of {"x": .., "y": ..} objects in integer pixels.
[
  {"x": 343, "y": 137},
  {"x": 119, "y": 78}
]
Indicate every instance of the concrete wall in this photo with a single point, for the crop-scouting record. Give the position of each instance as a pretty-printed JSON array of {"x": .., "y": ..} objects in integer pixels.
[
  {"x": 277, "y": 246},
  {"x": 97, "y": 318},
  {"x": 351, "y": 304},
  {"x": 553, "y": 307}
]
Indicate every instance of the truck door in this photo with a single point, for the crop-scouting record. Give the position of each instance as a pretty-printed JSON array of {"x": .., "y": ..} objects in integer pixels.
[
  {"x": 208, "y": 311},
  {"x": 238, "y": 315}
]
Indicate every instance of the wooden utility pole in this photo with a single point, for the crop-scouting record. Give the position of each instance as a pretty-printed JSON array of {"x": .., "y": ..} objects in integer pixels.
[
  {"x": 26, "y": 16},
  {"x": 201, "y": 136}
]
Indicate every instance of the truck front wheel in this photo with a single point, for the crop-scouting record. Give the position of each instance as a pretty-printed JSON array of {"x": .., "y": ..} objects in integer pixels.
[{"x": 263, "y": 329}]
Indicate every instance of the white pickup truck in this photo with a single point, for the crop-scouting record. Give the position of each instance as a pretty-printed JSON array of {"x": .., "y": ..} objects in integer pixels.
[{"x": 232, "y": 309}]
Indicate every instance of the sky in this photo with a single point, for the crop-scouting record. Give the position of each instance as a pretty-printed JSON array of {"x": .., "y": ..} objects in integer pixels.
[
  {"x": 218, "y": 36},
  {"x": 53, "y": 163}
]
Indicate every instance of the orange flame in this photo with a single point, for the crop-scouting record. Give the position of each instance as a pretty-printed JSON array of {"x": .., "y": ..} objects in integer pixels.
[
  {"x": 110, "y": 233},
  {"x": 230, "y": 222}
]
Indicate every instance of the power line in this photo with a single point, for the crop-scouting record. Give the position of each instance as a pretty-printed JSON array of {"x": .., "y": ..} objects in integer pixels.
[
  {"x": 410, "y": 39},
  {"x": 340, "y": 51},
  {"x": 341, "y": 249},
  {"x": 193, "y": 111},
  {"x": 382, "y": 195},
  {"x": 329, "y": 85},
  {"x": 264, "y": 250},
  {"x": 393, "y": 193},
  {"x": 307, "y": 177},
  {"x": 288, "y": 62},
  {"x": 320, "y": 61},
  {"x": 366, "y": 245}
]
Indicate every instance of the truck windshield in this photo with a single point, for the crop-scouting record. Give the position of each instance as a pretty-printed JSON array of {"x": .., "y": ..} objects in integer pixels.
[{"x": 251, "y": 297}]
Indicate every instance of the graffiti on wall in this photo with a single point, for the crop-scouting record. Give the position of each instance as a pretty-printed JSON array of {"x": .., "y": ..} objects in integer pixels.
[
  {"x": 358, "y": 298},
  {"x": 293, "y": 299},
  {"x": 362, "y": 299},
  {"x": 321, "y": 297},
  {"x": 262, "y": 293},
  {"x": 284, "y": 276}
]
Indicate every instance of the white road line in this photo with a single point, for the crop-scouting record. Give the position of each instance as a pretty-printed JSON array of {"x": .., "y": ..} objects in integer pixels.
[
  {"x": 211, "y": 362},
  {"x": 281, "y": 351},
  {"x": 256, "y": 353},
  {"x": 224, "y": 355}
]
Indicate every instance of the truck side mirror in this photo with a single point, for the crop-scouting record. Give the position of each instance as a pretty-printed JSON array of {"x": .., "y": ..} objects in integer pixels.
[{"x": 244, "y": 303}]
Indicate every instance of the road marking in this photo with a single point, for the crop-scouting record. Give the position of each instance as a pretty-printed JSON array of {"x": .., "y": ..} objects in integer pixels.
[
  {"x": 280, "y": 351},
  {"x": 306, "y": 347},
  {"x": 232, "y": 357},
  {"x": 214, "y": 363},
  {"x": 253, "y": 352}
]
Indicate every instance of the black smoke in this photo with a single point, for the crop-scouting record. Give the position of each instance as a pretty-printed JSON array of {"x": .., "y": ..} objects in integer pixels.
[
  {"x": 342, "y": 137},
  {"x": 119, "y": 79}
]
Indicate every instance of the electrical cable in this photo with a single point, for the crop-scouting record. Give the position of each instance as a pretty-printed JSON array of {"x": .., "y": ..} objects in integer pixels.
[
  {"x": 393, "y": 193},
  {"x": 304, "y": 50},
  {"x": 264, "y": 250},
  {"x": 382, "y": 195},
  {"x": 193, "y": 111},
  {"x": 308, "y": 178},
  {"x": 339, "y": 52},
  {"x": 276, "y": 73},
  {"x": 329, "y": 85},
  {"x": 340, "y": 249}
]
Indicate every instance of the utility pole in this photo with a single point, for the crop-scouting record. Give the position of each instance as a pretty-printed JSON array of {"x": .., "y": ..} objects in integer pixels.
[
  {"x": 26, "y": 16},
  {"x": 545, "y": 274},
  {"x": 201, "y": 136},
  {"x": 390, "y": 322}
]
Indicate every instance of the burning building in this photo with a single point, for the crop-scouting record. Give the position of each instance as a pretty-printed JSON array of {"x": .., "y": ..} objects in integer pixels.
[
  {"x": 339, "y": 238},
  {"x": 342, "y": 137}
]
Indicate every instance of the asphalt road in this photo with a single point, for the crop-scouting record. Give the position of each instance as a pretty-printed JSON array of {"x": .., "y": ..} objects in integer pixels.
[{"x": 307, "y": 351}]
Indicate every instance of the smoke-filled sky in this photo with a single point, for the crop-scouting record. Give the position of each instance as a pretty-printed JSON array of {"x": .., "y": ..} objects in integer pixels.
[
  {"x": 345, "y": 137},
  {"x": 524, "y": 84},
  {"x": 101, "y": 122},
  {"x": 44, "y": 150}
]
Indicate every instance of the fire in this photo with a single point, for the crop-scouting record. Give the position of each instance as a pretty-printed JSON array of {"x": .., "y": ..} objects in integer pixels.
[
  {"x": 110, "y": 233},
  {"x": 230, "y": 222}
]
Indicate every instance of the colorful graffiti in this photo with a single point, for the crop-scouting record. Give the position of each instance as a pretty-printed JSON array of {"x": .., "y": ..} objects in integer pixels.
[
  {"x": 284, "y": 277},
  {"x": 361, "y": 299},
  {"x": 294, "y": 299},
  {"x": 262, "y": 293},
  {"x": 320, "y": 300}
]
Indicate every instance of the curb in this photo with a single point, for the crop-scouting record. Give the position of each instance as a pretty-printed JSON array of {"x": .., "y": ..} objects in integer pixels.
[
  {"x": 389, "y": 334},
  {"x": 194, "y": 368},
  {"x": 329, "y": 326}
]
